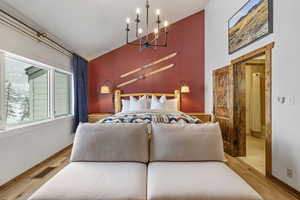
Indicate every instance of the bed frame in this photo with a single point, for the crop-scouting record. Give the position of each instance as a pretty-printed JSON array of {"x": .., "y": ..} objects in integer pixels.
[{"x": 118, "y": 96}]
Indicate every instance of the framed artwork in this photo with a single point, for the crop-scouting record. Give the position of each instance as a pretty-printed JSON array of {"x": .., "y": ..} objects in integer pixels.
[{"x": 251, "y": 23}]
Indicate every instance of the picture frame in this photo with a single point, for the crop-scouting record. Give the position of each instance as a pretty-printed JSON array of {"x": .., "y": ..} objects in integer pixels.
[{"x": 252, "y": 22}]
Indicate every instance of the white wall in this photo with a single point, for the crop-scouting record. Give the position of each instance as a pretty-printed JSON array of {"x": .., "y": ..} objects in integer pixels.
[
  {"x": 21, "y": 149},
  {"x": 286, "y": 70},
  {"x": 21, "y": 45}
]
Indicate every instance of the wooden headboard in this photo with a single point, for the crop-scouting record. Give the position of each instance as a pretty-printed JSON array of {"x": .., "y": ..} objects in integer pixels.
[{"x": 118, "y": 96}]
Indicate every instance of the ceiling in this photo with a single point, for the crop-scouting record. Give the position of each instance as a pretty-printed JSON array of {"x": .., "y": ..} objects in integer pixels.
[{"x": 94, "y": 27}]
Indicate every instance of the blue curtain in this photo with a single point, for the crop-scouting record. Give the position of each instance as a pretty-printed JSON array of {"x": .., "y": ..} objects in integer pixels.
[{"x": 79, "y": 68}]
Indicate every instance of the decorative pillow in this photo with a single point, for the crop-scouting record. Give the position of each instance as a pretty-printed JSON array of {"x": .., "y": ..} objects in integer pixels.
[
  {"x": 110, "y": 143},
  {"x": 186, "y": 142},
  {"x": 125, "y": 105},
  {"x": 171, "y": 105},
  {"x": 157, "y": 105},
  {"x": 163, "y": 99},
  {"x": 137, "y": 105},
  {"x": 148, "y": 103}
]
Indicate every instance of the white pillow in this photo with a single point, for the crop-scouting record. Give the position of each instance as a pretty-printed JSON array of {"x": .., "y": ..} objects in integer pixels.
[
  {"x": 171, "y": 105},
  {"x": 125, "y": 105},
  {"x": 163, "y": 99},
  {"x": 157, "y": 105},
  {"x": 148, "y": 103},
  {"x": 137, "y": 105}
]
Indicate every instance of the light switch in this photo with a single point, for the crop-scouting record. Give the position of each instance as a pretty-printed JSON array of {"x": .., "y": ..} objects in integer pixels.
[
  {"x": 281, "y": 100},
  {"x": 287, "y": 100}
]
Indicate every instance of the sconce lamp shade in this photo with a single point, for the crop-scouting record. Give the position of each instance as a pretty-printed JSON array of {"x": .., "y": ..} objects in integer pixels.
[
  {"x": 185, "y": 89},
  {"x": 105, "y": 89}
]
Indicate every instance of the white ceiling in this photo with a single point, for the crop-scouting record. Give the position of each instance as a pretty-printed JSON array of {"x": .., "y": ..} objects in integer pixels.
[{"x": 94, "y": 27}]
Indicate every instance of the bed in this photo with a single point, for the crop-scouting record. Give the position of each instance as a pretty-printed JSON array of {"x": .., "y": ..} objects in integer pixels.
[{"x": 152, "y": 115}]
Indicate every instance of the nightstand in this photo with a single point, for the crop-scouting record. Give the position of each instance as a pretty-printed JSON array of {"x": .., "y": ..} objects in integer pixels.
[
  {"x": 95, "y": 117},
  {"x": 202, "y": 116}
]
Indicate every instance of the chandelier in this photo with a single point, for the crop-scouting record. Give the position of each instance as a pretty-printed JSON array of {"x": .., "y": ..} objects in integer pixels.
[{"x": 159, "y": 38}]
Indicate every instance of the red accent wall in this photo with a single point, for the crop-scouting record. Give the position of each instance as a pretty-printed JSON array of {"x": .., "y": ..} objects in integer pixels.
[{"x": 185, "y": 37}]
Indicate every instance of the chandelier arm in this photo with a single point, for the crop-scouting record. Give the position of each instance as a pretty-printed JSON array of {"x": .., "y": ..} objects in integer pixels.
[
  {"x": 133, "y": 44},
  {"x": 166, "y": 37},
  {"x": 147, "y": 20},
  {"x": 127, "y": 32},
  {"x": 137, "y": 28},
  {"x": 148, "y": 41},
  {"x": 158, "y": 23},
  {"x": 158, "y": 45}
]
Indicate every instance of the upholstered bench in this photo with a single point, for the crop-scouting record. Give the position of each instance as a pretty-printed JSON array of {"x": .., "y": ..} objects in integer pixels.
[
  {"x": 93, "y": 180},
  {"x": 196, "y": 180},
  {"x": 111, "y": 162},
  {"x": 187, "y": 163},
  {"x": 108, "y": 161}
]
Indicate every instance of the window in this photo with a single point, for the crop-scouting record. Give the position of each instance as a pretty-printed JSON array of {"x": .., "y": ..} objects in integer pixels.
[
  {"x": 62, "y": 92},
  {"x": 31, "y": 91},
  {"x": 26, "y": 92}
]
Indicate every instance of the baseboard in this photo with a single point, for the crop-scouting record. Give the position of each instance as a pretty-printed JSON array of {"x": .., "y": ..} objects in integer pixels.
[
  {"x": 34, "y": 167},
  {"x": 288, "y": 188}
]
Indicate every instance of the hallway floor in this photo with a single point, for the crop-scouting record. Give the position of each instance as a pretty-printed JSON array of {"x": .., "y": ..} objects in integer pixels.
[{"x": 255, "y": 153}]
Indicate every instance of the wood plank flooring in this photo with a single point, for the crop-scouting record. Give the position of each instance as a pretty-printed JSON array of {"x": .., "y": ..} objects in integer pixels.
[
  {"x": 22, "y": 187},
  {"x": 268, "y": 188},
  {"x": 255, "y": 153}
]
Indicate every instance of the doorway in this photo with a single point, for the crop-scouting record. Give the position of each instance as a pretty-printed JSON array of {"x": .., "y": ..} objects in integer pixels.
[
  {"x": 252, "y": 108},
  {"x": 255, "y": 123},
  {"x": 232, "y": 101}
]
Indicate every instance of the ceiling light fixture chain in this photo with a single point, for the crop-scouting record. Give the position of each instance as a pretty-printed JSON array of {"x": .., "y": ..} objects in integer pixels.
[{"x": 150, "y": 40}]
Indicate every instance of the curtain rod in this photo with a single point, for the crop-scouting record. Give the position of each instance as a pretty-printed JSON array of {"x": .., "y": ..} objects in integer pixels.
[{"x": 38, "y": 34}]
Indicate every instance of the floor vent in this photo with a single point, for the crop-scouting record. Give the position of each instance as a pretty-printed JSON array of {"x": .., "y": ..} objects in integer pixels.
[{"x": 43, "y": 173}]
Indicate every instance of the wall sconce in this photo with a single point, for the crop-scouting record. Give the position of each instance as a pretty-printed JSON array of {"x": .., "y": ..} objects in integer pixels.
[
  {"x": 185, "y": 89},
  {"x": 105, "y": 88}
]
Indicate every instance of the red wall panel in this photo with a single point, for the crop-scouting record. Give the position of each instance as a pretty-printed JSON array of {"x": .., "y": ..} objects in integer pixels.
[{"x": 185, "y": 37}]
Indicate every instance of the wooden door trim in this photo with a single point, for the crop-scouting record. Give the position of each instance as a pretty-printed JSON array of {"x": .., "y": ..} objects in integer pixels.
[
  {"x": 254, "y": 53},
  {"x": 267, "y": 50},
  {"x": 239, "y": 95}
]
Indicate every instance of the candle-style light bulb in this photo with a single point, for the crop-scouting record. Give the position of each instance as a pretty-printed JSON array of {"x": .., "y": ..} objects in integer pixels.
[
  {"x": 157, "y": 12},
  {"x": 156, "y": 30},
  {"x": 140, "y": 30},
  {"x": 128, "y": 20},
  {"x": 166, "y": 24},
  {"x": 138, "y": 11}
]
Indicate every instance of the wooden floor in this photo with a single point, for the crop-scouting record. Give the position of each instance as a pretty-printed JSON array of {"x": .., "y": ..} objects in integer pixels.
[
  {"x": 25, "y": 185},
  {"x": 255, "y": 148}
]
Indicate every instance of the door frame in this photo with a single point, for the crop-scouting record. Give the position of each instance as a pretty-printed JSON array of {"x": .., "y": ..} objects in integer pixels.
[{"x": 267, "y": 51}]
